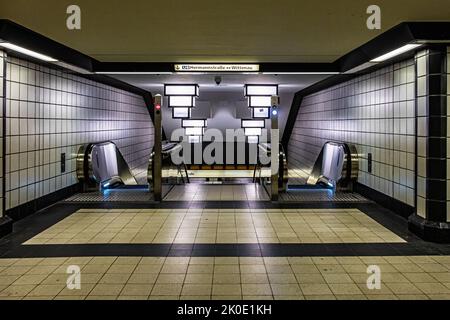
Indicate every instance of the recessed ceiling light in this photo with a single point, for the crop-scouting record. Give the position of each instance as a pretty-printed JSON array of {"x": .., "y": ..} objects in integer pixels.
[
  {"x": 396, "y": 52},
  {"x": 27, "y": 52}
]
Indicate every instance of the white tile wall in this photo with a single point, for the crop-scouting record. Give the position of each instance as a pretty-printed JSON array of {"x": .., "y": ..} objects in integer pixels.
[
  {"x": 50, "y": 112},
  {"x": 376, "y": 112},
  {"x": 2, "y": 82},
  {"x": 448, "y": 134}
]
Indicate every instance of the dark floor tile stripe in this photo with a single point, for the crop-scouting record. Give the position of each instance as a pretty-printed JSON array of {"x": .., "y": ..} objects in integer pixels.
[{"x": 225, "y": 250}]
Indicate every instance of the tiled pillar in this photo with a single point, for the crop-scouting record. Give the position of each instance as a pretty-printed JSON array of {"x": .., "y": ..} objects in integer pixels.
[{"x": 431, "y": 219}]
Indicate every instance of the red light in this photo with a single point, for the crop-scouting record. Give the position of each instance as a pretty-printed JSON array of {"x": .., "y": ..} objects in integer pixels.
[{"x": 158, "y": 107}]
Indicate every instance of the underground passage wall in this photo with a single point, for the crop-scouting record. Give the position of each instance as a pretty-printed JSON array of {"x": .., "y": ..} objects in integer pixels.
[
  {"x": 50, "y": 112},
  {"x": 376, "y": 113}
]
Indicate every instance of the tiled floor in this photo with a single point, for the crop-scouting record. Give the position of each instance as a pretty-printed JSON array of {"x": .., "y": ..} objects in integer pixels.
[
  {"x": 412, "y": 277},
  {"x": 216, "y": 226},
  {"x": 211, "y": 192}
]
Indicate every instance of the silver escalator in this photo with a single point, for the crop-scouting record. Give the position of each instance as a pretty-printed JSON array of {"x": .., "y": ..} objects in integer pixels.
[
  {"x": 101, "y": 165},
  {"x": 172, "y": 174},
  {"x": 335, "y": 167}
]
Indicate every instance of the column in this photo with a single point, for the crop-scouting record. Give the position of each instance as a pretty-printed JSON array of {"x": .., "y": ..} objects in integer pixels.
[{"x": 431, "y": 218}]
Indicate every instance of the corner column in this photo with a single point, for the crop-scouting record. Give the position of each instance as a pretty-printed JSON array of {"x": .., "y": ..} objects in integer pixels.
[{"x": 431, "y": 219}]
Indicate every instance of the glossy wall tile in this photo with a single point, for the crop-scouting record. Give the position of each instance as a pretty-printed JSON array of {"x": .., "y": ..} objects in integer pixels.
[
  {"x": 50, "y": 112},
  {"x": 376, "y": 113}
]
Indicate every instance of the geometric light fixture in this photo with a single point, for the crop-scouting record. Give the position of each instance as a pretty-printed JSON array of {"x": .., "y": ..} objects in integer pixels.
[
  {"x": 182, "y": 100},
  {"x": 261, "y": 90},
  {"x": 181, "y": 90},
  {"x": 259, "y": 100},
  {"x": 252, "y": 123},
  {"x": 261, "y": 113}
]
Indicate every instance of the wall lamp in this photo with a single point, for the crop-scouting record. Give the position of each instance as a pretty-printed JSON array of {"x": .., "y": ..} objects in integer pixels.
[{"x": 27, "y": 52}]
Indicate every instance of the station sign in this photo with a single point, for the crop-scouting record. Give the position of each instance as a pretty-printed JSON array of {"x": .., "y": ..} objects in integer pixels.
[{"x": 213, "y": 67}]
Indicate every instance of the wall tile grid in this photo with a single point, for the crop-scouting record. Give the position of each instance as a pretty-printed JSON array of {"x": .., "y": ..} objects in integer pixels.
[
  {"x": 50, "y": 112},
  {"x": 448, "y": 134},
  {"x": 376, "y": 113},
  {"x": 2, "y": 95}
]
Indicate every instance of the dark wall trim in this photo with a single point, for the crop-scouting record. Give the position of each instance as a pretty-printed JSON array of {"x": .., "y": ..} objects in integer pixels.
[
  {"x": 31, "y": 207},
  {"x": 400, "y": 208},
  {"x": 6, "y": 226}
]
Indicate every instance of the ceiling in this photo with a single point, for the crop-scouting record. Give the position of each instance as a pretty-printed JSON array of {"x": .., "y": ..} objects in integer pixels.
[
  {"x": 219, "y": 31},
  {"x": 230, "y": 82}
]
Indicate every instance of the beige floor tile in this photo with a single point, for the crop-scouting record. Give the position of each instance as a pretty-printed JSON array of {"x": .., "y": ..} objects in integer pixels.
[
  {"x": 84, "y": 290},
  {"x": 95, "y": 268},
  {"x": 46, "y": 290},
  {"x": 412, "y": 297},
  {"x": 226, "y": 260},
  {"x": 247, "y": 268},
  {"x": 313, "y": 289},
  {"x": 168, "y": 278},
  {"x": 282, "y": 278},
  {"x": 258, "y": 278},
  {"x": 232, "y": 297},
  {"x": 148, "y": 268},
  {"x": 201, "y": 268},
  {"x": 226, "y": 278},
  {"x": 351, "y": 297},
  {"x": 419, "y": 277},
  {"x": 30, "y": 279},
  {"x": 106, "y": 290},
  {"x": 432, "y": 288},
  {"x": 256, "y": 289},
  {"x": 258, "y": 297},
  {"x": 196, "y": 298},
  {"x": 59, "y": 297},
  {"x": 198, "y": 278},
  {"x": 196, "y": 289},
  {"x": 285, "y": 289},
  {"x": 97, "y": 297},
  {"x": 403, "y": 288},
  {"x": 132, "y": 297},
  {"x": 305, "y": 269},
  {"x": 122, "y": 268},
  {"x": 17, "y": 291},
  {"x": 166, "y": 290},
  {"x": 174, "y": 268},
  {"x": 136, "y": 290},
  {"x": 115, "y": 278},
  {"x": 226, "y": 268},
  {"x": 320, "y": 297},
  {"x": 162, "y": 297},
  {"x": 439, "y": 296},
  {"x": 226, "y": 290}
]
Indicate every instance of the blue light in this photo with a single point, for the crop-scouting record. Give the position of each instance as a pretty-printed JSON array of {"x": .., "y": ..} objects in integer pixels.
[{"x": 274, "y": 112}]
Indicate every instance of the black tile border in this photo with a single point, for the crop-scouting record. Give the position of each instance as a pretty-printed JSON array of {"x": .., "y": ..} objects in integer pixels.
[
  {"x": 6, "y": 226},
  {"x": 402, "y": 209},
  {"x": 26, "y": 209},
  {"x": 225, "y": 250},
  {"x": 12, "y": 245}
]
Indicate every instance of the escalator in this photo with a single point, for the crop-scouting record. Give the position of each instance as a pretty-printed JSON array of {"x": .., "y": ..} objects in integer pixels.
[{"x": 101, "y": 166}]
